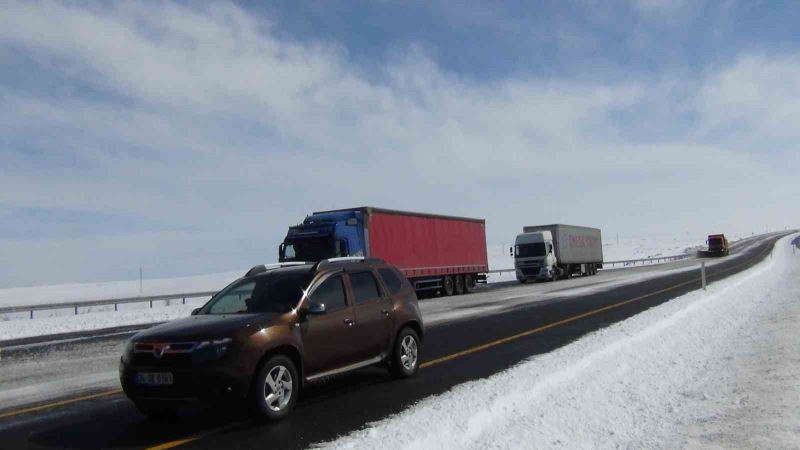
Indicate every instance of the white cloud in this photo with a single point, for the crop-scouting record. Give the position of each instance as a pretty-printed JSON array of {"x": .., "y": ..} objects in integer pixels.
[{"x": 205, "y": 120}]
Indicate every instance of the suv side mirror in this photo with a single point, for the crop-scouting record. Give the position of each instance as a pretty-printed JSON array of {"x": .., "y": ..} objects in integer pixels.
[
  {"x": 315, "y": 308},
  {"x": 195, "y": 311}
]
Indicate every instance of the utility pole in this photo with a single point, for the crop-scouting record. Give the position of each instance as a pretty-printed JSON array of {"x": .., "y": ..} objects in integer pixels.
[{"x": 140, "y": 279}]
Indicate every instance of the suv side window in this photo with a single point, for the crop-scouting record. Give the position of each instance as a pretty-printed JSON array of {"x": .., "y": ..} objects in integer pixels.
[
  {"x": 364, "y": 287},
  {"x": 330, "y": 293},
  {"x": 391, "y": 280},
  {"x": 233, "y": 301}
]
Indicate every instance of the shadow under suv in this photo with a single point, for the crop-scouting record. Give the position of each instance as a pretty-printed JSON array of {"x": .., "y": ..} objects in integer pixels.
[{"x": 278, "y": 327}]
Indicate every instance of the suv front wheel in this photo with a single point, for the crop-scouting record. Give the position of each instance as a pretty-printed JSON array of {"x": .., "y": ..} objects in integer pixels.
[
  {"x": 405, "y": 356},
  {"x": 276, "y": 388}
]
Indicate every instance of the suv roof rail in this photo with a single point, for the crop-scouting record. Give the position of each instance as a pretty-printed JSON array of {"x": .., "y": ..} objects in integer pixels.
[
  {"x": 265, "y": 267},
  {"x": 343, "y": 259}
]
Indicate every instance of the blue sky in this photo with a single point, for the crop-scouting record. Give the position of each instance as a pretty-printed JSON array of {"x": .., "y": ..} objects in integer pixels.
[{"x": 186, "y": 137}]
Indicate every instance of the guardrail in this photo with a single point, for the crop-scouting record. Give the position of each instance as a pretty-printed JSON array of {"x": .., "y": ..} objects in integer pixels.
[
  {"x": 76, "y": 306},
  {"x": 112, "y": 301},
  {"x": 656, "y": 260},
  {"x": 625, "y": 262}
]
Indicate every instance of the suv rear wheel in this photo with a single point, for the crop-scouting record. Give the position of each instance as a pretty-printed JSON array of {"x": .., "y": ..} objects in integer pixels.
[
  {"x": 405, "y": 356},
  {"x": 276, "y": 387}
]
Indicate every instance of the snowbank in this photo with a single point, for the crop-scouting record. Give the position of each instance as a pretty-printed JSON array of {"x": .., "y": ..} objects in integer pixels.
[{"x": 668, "y": 377}]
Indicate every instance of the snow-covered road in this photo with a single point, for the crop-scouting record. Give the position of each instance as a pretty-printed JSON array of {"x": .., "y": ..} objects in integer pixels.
[{"x": 708, "y": 369}]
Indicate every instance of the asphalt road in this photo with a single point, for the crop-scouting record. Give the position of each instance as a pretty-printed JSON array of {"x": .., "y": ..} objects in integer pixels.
[{"x": 456, "y": 349}]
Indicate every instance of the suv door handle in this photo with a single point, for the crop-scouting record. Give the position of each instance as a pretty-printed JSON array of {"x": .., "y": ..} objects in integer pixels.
[
  {"x": 385, "y": 312},
  {"x": 349, "y": 322}
]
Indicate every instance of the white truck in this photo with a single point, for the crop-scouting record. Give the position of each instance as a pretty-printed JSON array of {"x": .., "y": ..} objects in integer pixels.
[{"x": 552, "y": 252}]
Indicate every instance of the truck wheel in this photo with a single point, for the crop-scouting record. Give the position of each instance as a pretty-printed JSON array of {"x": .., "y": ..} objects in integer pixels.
[
  {"x": 459, "y": 280},
  {"x": 469, "y": 283},
  {"x": 447, "y": 286},
  {"x": 568, "y": 272}
]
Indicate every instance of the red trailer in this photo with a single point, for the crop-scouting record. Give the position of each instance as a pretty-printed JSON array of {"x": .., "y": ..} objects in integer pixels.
[{"x": 435, "y": 252}]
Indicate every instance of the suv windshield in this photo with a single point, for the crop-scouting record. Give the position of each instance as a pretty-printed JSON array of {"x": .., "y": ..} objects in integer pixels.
[
  {"x": 528, "y": 250},
  {"x": 261, "y": 294},
  {"x": 308, "y": 250}
]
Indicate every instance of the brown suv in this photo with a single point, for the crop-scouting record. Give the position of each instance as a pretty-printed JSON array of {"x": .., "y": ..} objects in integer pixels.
[{"x": 270, "y": 332}]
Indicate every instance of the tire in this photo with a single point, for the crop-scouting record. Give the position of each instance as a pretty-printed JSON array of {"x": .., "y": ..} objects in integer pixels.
[
  {"x": 275, "y": 377},
  {"x": 405, "y": 355},
  {"x": 448, "y": 287},
  {"x": 459, "y": 284},
  {"x": 568, "y": 272},
  {"x": 469, "y": 283},
  {"x": 156, "y": 410}
]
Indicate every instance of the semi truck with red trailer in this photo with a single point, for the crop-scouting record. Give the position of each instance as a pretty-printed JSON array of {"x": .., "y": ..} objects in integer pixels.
[
  {"x": 717, "y": 246},
  {"x": 437, "y": 253}
]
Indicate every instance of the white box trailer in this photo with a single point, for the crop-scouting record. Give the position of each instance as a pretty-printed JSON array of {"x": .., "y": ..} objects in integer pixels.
[{"x": 557, "y": 251}]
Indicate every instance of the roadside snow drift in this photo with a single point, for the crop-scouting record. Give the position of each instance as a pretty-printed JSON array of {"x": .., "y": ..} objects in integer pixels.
[{"x": 708, "y": 368}]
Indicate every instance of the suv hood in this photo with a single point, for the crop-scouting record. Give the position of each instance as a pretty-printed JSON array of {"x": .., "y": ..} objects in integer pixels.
[{"x": 204, "y": 326}]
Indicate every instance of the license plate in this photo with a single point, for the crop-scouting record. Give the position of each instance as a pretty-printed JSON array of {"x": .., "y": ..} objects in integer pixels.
[{"x": 154, "y": 379}]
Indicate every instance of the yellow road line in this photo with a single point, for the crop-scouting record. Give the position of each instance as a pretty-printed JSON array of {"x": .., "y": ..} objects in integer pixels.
[
  {"x": 546, "y": 327},
  {"x": 570, "y": 319},
  {"x": 59, "y": 403},
  {"x": 176, "y": 443}
]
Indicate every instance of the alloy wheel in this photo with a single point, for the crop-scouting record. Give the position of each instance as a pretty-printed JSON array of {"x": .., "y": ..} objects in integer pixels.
[
  {"x": 278, "y": 388},
  {"x": 408, "y": 352}
]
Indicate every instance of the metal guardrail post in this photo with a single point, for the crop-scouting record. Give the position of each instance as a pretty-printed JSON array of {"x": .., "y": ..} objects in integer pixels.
[{"x": 703, "y": 273}]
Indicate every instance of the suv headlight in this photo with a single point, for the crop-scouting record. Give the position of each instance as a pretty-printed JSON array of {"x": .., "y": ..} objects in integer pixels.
[{"x": 217, "y": 347}]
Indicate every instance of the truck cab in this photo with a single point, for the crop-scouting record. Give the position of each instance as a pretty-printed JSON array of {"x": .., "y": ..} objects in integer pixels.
[
  {"x": 534, "y": 258},
  {"x": 717, "y": 245},
  {"x": 325, "y": 235}
]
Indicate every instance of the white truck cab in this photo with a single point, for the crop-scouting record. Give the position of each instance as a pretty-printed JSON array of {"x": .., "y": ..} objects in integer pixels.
[{"x": 534, "y": 258}]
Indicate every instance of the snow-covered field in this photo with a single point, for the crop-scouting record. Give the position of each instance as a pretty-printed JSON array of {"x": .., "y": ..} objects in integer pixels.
[
  {"x": 37, "y": 295},
  {"x": 708, "y": 369}
]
